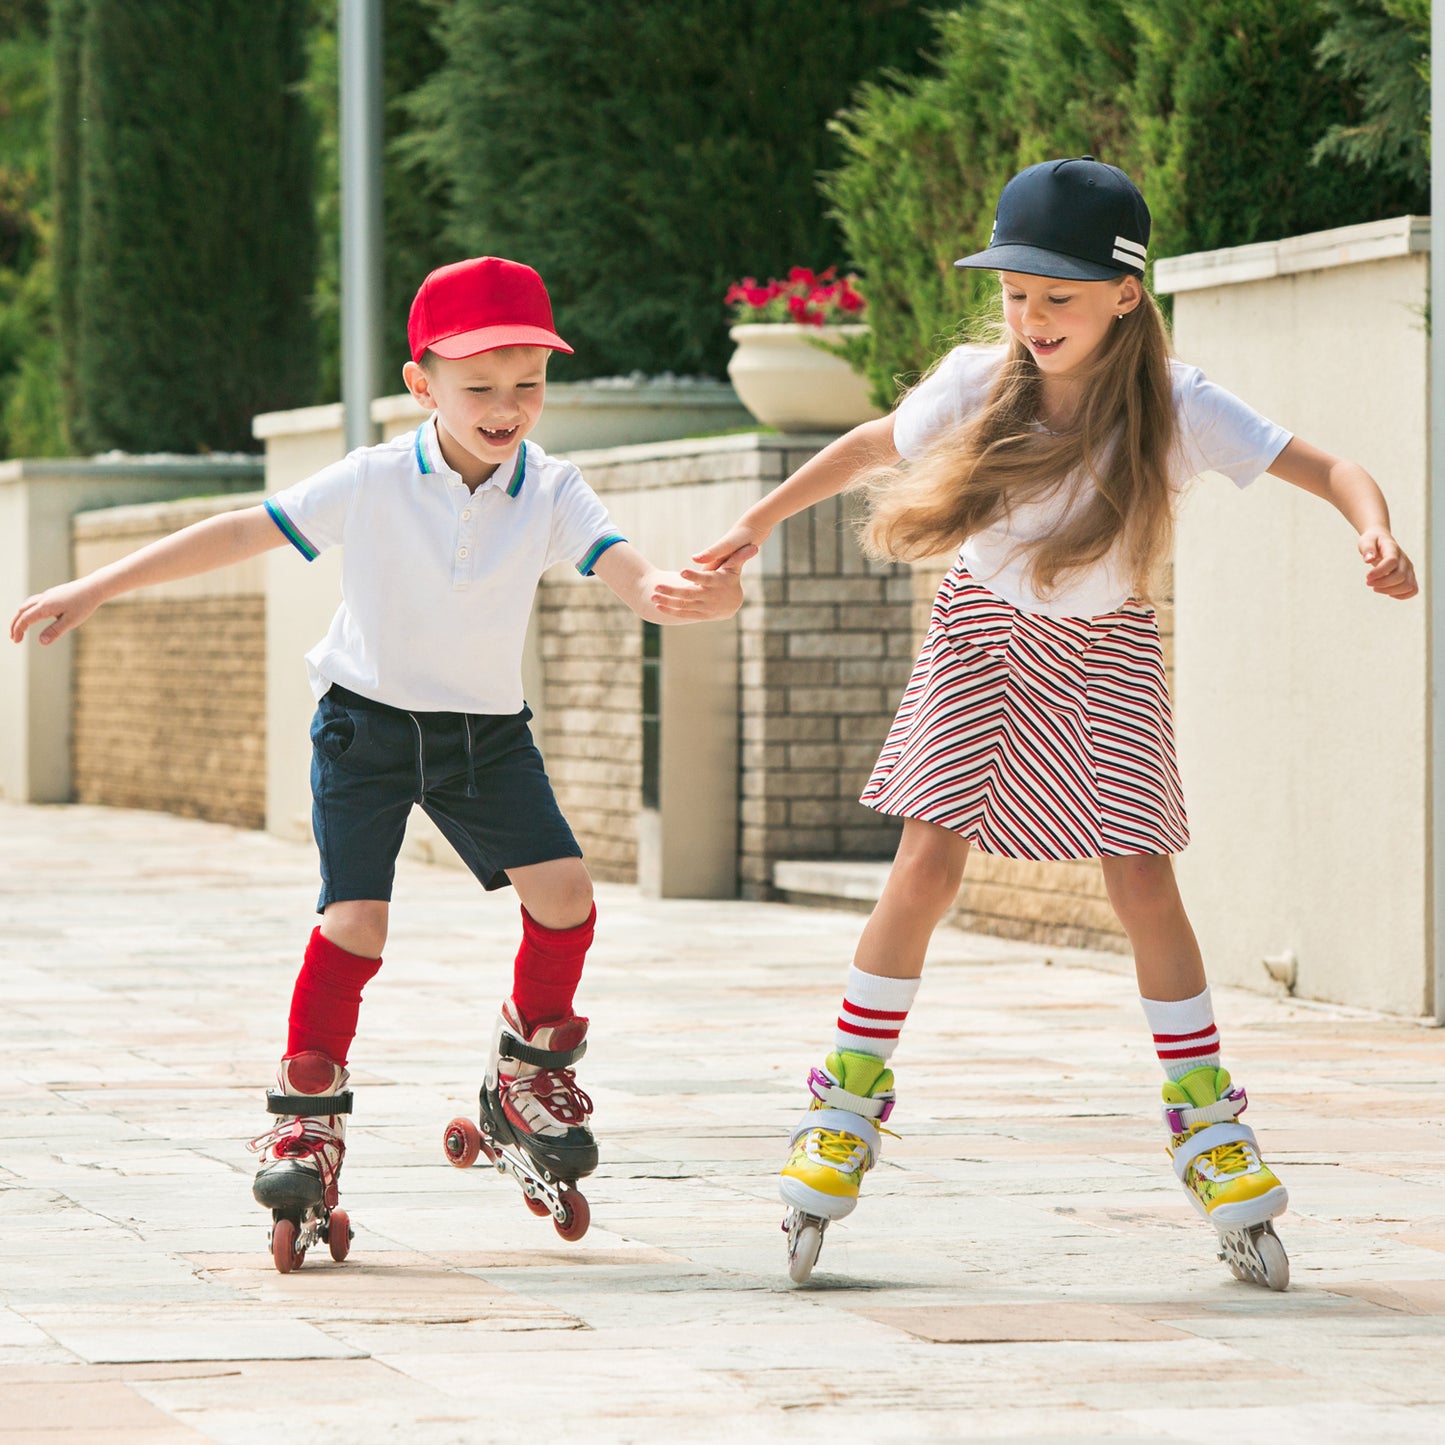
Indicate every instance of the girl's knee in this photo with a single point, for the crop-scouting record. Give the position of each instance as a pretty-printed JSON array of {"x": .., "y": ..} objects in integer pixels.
[
  {"x": 929, "y": 865},
  {"x": 1142, "y": 884}
]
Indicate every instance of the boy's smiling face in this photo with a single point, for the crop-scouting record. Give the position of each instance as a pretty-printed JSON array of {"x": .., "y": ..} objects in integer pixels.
[{"x": 485, "y": 404}]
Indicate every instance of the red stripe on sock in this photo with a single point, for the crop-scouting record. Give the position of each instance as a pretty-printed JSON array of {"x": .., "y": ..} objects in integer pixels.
[
  {"x": 873, "y": 1013},
  {"x": 848, "y": 1028},
  {"x": 1199, "y": 1053},
  {"x": 1184, "y": 1038}
]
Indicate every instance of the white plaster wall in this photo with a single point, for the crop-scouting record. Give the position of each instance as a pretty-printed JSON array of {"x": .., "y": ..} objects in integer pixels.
[{"x": 1301, "y": 698}]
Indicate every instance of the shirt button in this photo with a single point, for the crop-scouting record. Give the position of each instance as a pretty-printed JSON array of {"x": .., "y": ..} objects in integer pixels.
[
  {"x": 467, "y": 515},
  {"x": 461, "y": 551}
]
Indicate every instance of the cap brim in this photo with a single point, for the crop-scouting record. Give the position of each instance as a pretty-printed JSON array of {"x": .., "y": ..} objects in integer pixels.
[
  {"x": 1035, "y": 261},
  {"x": 493, "y": 338}
]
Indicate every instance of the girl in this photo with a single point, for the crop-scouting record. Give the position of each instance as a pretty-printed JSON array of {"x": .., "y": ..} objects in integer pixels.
[{"x": 1036, "y": 723}]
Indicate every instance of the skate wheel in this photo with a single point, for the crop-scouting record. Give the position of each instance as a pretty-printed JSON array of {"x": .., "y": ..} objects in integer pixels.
[
  {"x": 463, "y": 1142},
  {"x": 576, "y": 1216},
  {"x": 284, "y": 1254},
  {"x": 803, "y": 1247},
  {"x": 539, "y": 1207},
  {"x": 1273, "y": 1258},
  {"x": 338, "y": 1234}
]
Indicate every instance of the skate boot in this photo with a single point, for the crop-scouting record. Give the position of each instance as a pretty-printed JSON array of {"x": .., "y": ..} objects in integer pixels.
[
  {"x": 303, "y": 1154},
  {"x": 834, "y": 1145},
  {"x": 534, "y": 1118},
  {"x": 1217, "y": 1159}
]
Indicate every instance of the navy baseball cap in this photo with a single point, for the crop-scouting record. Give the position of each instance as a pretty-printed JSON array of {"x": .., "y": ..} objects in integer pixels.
[{"x": 1077, "y": 219}]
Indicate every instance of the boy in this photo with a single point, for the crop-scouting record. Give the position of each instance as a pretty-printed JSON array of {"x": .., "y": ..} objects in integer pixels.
[{"x": 419, "y": 700}]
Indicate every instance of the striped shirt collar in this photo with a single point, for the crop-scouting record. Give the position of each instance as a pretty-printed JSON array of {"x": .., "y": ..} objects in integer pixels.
[{"x": 508, "y": 477}]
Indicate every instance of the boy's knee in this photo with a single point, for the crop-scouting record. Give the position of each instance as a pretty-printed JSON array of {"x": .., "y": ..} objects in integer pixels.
[{"x": 358, "y": 925}]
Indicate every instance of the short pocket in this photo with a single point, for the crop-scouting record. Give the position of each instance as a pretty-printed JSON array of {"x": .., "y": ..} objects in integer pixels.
[{"x": 335, "y": 730}]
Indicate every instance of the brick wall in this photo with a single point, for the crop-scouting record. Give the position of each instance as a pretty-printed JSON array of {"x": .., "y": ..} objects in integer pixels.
[
  {"x": 826, "y": 649},
  {"x": 591, "y": 735},
  {"x": 169, "y": 684}
]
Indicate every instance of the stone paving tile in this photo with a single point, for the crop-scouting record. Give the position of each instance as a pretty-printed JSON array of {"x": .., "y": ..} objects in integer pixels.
[{"x": 1024, "y": 1266}]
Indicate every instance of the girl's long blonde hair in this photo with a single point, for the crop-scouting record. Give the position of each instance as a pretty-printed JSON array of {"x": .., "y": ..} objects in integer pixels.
[{"x": 1121, "y": 437}]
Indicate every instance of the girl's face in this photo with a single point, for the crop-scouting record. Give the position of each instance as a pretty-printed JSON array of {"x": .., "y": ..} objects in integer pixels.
[{"x": 1063, "y": 323}]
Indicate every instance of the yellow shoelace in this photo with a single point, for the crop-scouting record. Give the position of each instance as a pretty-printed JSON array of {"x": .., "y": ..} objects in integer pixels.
[{"x": 834, "y": 1148}]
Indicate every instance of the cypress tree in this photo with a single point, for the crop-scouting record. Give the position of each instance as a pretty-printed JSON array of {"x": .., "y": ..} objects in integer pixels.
[
  {"x": 194, "y": 236},
  {"x": 644, "y": 154}
]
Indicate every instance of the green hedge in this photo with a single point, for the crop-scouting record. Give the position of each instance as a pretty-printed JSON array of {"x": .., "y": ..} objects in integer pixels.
[
  {"x": 1214, "y": 106},
  {"x": 643, "y": 154},
  {"x": 186, "y": 240}
]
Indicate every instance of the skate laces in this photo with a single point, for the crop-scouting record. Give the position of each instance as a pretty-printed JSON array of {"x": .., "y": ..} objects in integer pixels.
[
  {"x": 845, "y": 1152},
  {"x": 555, "y": 1092},
  {"x": 302, "y": 1137}
]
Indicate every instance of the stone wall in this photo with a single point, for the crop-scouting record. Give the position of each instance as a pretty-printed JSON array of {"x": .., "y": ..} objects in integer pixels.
[
  {"x": 169, "y": 684},
  {"x": 826, "y": 648},
  {"x": 590, "y": 735}
]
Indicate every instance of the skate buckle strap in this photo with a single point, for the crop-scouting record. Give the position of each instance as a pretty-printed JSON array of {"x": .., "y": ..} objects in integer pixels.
[
  {"x": 511, "y": 1047},
  {"x": 1228, "y": 1106},
  {"x": 828, "y": 1091},
  {"x": 309, "y": 1106},
  {"x": 1209, "y": 1139}
]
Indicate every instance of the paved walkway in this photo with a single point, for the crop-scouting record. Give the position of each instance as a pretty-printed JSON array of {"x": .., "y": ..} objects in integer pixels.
[{"x": 1023, "y": 1267}]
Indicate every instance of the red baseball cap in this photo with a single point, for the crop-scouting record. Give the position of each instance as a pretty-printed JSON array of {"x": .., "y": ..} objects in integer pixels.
[{"x": 481, "y": 305}]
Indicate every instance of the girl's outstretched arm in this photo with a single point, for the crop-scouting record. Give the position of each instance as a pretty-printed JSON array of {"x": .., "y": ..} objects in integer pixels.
[
  {"x": 1353, "y": 492},
  {"x": 832, "y": 471},
  {"x": 202, "y": 547}
]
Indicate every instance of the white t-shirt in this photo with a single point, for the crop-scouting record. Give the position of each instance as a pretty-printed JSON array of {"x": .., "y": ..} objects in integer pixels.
[
  {"x": 437, "y": 582},
  {"x": 1216, "y": 433}
]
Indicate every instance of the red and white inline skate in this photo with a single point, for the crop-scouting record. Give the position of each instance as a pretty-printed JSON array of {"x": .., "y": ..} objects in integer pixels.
[
  {"x": 534, "y": 1118},
  {"x": 298, "y": 1182}
]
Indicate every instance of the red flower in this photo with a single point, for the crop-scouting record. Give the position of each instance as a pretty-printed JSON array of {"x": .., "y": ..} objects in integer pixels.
[{"x": 806, "y": 298}]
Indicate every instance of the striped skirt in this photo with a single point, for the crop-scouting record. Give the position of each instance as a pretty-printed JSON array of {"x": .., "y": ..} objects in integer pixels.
[{"x": 1033, "y": 736}]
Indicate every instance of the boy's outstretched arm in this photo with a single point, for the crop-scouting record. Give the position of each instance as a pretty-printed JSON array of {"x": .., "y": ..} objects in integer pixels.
[
  {"x": 686, "y": 596},
  {"x": 1353, "y": 492},
  {"x": 202, "y": 547},
  {"x": 833, "y": 470}
]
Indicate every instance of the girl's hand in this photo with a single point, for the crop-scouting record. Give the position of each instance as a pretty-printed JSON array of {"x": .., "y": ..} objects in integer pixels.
[
  {"x": 702, "y": 596},
  {"x": 69, "y": 604},
  {"x": 1391, "y": 572},
  {"x": 739, "y": 538}
]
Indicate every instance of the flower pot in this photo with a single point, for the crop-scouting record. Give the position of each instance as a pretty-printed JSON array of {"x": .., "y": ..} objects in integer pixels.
[{"x": 789, "y": 382}]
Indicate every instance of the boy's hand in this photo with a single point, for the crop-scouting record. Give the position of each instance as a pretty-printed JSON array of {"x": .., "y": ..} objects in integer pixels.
[
  {"x": 726, "y": 548},
  {"x": 69, "y": 604},
  {"x": 1391, "y": 572},
  {"x": 701, "y": 596}
]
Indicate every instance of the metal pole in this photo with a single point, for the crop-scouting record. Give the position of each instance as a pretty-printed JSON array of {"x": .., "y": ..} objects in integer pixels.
[
  {"x": 1435, "y": 556},
  {"x": 361, "y": 272}
]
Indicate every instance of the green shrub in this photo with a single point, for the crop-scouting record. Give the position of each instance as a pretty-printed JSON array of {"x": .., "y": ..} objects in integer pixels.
[
  {"x": 644, "y": 154},
  {"x": 29, "y": 387},
  {"x": 186, "y": 240},
  {"x": 1213, "y": 106},
  {"x": 1382, "y": 47}
]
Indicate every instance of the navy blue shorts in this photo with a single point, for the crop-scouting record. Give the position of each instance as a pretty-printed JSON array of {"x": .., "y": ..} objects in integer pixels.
[{"x": 477, "y": 776}]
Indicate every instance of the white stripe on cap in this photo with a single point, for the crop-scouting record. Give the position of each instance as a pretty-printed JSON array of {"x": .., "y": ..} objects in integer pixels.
[{"x": 1123, "y": 243}]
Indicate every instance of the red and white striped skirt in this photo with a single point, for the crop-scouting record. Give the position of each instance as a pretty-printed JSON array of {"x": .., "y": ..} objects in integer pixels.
[{"x": 1033, "y": 736}]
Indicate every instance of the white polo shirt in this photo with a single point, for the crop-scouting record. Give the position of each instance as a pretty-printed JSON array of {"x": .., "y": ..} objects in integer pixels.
[{"x": 437, "y": 582}]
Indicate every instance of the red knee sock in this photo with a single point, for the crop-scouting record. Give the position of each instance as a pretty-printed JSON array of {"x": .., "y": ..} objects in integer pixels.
[
  {"x": 548, "y": 968},
  {"x": 327, "y": 999}
]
